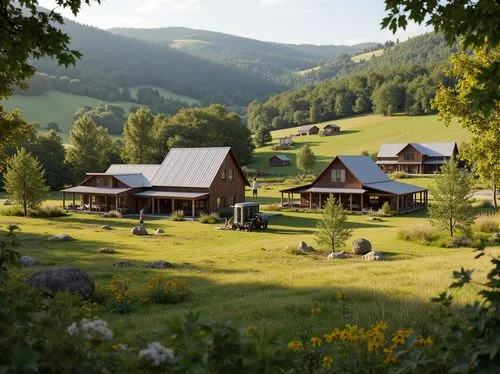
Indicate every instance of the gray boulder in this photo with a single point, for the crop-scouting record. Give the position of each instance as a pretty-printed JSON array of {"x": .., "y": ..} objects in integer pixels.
[
  {"x": 159, "y": 265},
  {"x": 106, "y": 250},
  {"x": 159, "y": 231},
  {"x": 73, "y": 280},
  {"x": 7, "y": 202},
  {"x": 376, "y": 219},
  {"x": 304, "y": 247},
  {"x": 60, "y": 238},
  {"x": 495, "y": 238},
  {"x": 106, "y": 227},
  {"x": 139, "y": 230},
  {"x": 374, "y": 256},
  {"x": 337, "y": 255},
  {"x": 28, "y": 261},
  {"x": 361, "y": 247},
  {"x": 123, "y": 264}
]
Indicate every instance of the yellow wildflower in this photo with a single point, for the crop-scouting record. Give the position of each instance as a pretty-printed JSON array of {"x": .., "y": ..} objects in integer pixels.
[
  {"x": 315, "y": 342},
  {"x": 389, "y": 356},
  {"x": 327, "y": 361},
  {"x": 399, "y": 337},
  {"x": 251, "y": 329},
  {"x": 295, "y": 345},
  {"x": 424, "y": 342}
]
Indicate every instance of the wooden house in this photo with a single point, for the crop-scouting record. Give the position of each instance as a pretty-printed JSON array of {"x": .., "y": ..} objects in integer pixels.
[
  {"x": 286, "y": 141},
  {"x": 359, "y": 184},
  {"x": 279, "y": 160},
  {"x": 307, "y": 130},
  {"x": 415, "y": 158},
  {"x": 196, "y": 180},
  {"x": 331, "y": 129}
]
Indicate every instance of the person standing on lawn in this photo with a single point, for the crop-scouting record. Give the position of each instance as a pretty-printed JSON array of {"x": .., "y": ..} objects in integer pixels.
[
  {"x": 255, "y": 186},
  {"x": 141, "y": 217}
]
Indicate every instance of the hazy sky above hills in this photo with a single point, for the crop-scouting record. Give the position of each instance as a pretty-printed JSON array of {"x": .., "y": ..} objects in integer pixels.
[{"x": 287, "y": 21}]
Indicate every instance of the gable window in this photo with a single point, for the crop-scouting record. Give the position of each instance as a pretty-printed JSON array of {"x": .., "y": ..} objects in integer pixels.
[
  {"x": 410, "y": 156},
  {"x": 338, "y": 175},
  {"x": 230, "y": 175},
  {"x": 223, "y": 174}
]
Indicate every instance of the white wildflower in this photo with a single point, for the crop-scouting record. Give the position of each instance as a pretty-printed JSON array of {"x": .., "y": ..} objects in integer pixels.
[
  {"x": 93, "y": 330},
  {"x": 157, "y": 353}
]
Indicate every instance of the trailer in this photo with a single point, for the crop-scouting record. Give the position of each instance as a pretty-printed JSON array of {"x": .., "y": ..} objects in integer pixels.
[{"x": 247, "y": 216}]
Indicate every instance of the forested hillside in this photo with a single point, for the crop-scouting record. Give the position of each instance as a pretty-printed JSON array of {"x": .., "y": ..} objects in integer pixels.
[
  {"x": 403, "y": 79},
  {"x": 111, "y": 61},
  {"x": 270, "y": 60}
]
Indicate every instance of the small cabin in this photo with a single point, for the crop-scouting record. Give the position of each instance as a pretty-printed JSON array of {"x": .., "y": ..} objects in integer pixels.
[
  {"x": 287, "y": 140},
  {"x": 308, "y": 130},
  {"x": 279, "y": 160},
  {"x": 331, "y": 129}
]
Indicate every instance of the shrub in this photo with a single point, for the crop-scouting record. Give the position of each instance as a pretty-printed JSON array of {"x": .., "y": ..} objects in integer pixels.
[
  {"x": 112, "y": 214},
  {"x": 44, "y": 212},
  {"x": 272, "y": 207},
  {"x": 399, "y": 175},
  {"x": 178, "y": 215},
  {"x": 162, "y": 291},
  {"x": 484, "y": 204},
  {"x": 119, "y": 295},
  {"x": 385, "y": 210},
  {"x": 209, "y": 218},
  {"x": 487, "y": 223}
]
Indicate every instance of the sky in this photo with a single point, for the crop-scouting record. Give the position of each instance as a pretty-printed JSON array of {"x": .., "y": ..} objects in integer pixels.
[{"x": 286, "y": 21}]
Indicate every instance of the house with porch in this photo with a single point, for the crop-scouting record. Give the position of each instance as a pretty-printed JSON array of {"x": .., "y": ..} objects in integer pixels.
[
  {"x": 415, "y": 158},
  {"x": 307, "y": 130},
  {"x": 359, "y": 184},
  {"x": 195, "y": 180}
]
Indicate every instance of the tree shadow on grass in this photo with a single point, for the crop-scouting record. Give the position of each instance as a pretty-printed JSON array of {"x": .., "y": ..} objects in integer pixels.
[{"x": 97, "y": 221}]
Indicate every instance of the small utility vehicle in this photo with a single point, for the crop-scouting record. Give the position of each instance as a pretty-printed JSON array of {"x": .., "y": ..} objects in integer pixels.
[{"x": 248, "y": 217}]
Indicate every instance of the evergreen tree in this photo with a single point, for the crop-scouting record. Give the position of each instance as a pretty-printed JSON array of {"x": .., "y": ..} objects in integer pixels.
[
  {"x": 262, "y": 136},
  {"x": 138, "y": 137},
  {"x": 332, "y": 230},
  {"x": 25, "y": 181},
  {"x": 452, "y": 208},
  {"x": 306, "y": 159},
  {"x": 89, "y": 148},
  {"x": 14, "y": 131}
]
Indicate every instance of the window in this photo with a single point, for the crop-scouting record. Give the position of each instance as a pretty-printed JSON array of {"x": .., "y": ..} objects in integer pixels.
[
  {"x": 230, "y": 175},
  {"x": 373, "y": 199},
  {"x": 338, "y": 175},
  {"x": 409, "y": 156},
  {"x": 221, "y": 202},
  {"x": 223, "y": 174}
]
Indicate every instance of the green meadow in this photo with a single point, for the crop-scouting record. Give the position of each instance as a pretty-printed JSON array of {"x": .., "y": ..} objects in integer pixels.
[
  {"x": 251, "y": 278},
  {"x": 358, "y": 134},
  {"x": 165, "y": 93}
]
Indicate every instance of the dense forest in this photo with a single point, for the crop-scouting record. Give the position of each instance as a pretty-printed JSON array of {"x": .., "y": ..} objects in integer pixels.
[{"x": 403, "y": 79}]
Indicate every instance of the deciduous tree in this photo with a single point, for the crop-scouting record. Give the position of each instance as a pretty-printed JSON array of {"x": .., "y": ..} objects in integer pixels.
[
  {"x": 332, "y": 229},
  {"x": 452, "y": 208},
  {"x": 14, "y": 131},
  {"x": 306, "y": 159},
  {"x": 138, "y": 137},
  {"x": 25, "y": 181}
]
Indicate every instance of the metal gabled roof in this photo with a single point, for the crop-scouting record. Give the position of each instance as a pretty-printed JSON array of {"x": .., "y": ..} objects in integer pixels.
[
  {"x": 364, "y": 169},
  {"x": 133, "y": 180},
  {"x": 394, "y": 187},
  {"x": 307, "y": 127},
  {"x": 192, "y": 167},
  {"x": 171, "y": 194},
  {"x": 96, "y": 190},
  {"x": 443, "y": 149},
  {"x": 282, "y": 157},
  {"x": 148, "y": 170}
]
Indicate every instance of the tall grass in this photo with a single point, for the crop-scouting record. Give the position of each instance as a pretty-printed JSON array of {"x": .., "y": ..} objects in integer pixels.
[
  {"x": 420, "y": 234},
  {"x": 487, "y": 223},
  {"x": 209, "y": 218},
  {"x": 44, "y": 212},
  {"x": 178, "y": 215}
]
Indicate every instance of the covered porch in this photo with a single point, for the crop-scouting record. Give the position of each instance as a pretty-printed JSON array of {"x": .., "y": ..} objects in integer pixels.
[
  {"x": 96, "y": 199},
  {"x": 167, "y": 202}
]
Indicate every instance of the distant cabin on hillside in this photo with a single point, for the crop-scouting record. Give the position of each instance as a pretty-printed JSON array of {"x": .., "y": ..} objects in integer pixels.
[
  {"x": 331, "y": 129},
  {"x": 287, "y": 140},
  {"x": 195, "y": 180},
  {"x": 307, "y": 130},
  {"x": 279, "y": 160},
  {"x": 415, "y": 158}
]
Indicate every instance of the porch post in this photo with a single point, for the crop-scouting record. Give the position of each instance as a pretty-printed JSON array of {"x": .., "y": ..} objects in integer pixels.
[
  {"x": 64, "y": 200},
  {"x": 319, "y": 200},
  {"x": 173, "y": 205},
  {"x": 158, "y": 205},
  {"x": 116, "y": 202},
  {"x": 106, "y": 202},
  {"x": 192, "y": 209},
  {"x": 362, "y": 198},
  {"x": 310, "y": 200},
  {"x": 152, "y": 205},
  {"x": 282, "y": 199},
  {"x": 73, "y": 201},
  {"x": 397, "y": 203},
  {"x": 292, "y": 201},
  {"x": 90, "y": 203},
  {"x": 350, "y": 202}
]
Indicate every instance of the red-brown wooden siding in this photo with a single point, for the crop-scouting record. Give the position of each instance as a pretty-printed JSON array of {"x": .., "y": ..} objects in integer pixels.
[
  {"x": 226, "y": 188},
  {"x": 325, "y": 179}
]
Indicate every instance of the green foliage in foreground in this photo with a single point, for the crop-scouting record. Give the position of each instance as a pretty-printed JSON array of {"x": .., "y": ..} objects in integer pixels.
[{"x": 50, "y": 335}]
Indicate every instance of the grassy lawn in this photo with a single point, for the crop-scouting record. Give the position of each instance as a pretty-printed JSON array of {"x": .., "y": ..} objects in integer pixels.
[
  {"x": 368, "y": 55},
  {"x": 55, "y": 106},
  {"x": 165, "y": 93},
  {"x": 250, "y": 277},
  {"x": 361, "y": 133}
]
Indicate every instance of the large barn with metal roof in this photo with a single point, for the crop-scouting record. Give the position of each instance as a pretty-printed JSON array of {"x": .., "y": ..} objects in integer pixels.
[
  {"x": 195, "y": 180},
  {"x": 359, "y": 184},
  {"x": 415, "y": 158}
]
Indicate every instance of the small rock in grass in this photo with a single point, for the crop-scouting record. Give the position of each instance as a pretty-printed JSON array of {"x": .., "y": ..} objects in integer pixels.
[
  {"x": 374, "y": 256},
  {"x": 304, "y": 247},
  {"x": 106, "y": 227},
  {"x": 159, "y": 231},
  {"x": 60, "y": 238},
  {"x": 106, "y": 250},
  {"x": 28, "y": 261},
  {"x": 159, "y": 265},
  {"x": 337, "y": 255},
  {"x": 139, "y": 230},
  {"x": 123, "y": 264},
  {"x": 7, "y": 202},
  {"x": 74, "y": 280},
  {"x": 361, "y": 246},
  {"x": 376, "y": 219},
  {"x": 495, "y": 238}
]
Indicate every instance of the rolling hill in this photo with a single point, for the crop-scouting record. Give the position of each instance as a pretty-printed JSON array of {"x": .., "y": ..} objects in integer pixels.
[{"x": 358, "y": 134}]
